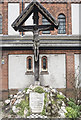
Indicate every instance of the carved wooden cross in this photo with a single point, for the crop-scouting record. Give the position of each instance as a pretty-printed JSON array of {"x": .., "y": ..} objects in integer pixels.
[
  {"x": 35, "y": 7},
  {"x": 36, "y": 42}
]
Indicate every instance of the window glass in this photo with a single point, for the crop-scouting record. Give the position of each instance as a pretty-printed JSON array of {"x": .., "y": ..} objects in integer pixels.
[
  {"x": 44, "y": 63},
  {"x": 62, "y": 24},
  {"x": 45, "y": 22},
  {"x": 29, "y": 64}
]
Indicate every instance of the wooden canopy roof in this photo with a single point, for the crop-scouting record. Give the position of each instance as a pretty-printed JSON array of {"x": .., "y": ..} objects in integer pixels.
[{"x": 34, "y": 5}]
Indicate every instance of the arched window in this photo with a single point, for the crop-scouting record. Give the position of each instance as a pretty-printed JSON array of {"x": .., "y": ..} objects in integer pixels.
[
  {"x": 0, "y": 24},
  {"x": 62, "y": 24},
  {"x": 29, "y": 63},
  {"x": 45, "y": 22},
  {"x": 44, "y": 63}
]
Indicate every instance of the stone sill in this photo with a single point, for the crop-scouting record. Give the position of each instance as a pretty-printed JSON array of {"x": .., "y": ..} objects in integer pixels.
[
  {"x": 29, "y": 73},
  {"x": 44, "y": 73}
]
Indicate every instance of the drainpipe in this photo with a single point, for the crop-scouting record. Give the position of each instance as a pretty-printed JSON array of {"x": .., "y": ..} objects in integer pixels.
[{"x": 22, "y": 10}]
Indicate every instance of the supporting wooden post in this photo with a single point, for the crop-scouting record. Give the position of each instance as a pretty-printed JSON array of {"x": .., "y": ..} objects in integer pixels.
[
  {"x": 36, "y": 47},
  {"x": 36, "y": 54}
]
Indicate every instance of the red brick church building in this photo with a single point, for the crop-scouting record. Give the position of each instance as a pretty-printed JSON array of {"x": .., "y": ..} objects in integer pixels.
[{"x": 60, "y": 49}]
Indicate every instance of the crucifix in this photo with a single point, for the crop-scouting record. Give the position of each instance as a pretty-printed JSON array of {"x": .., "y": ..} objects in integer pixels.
[
  {"x": 36, "y": 42},
  {"x": 35, "y": 7}
]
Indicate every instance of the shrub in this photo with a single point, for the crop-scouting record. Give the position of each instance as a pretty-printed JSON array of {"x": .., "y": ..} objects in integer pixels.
[
  {"x": 71, "y": 104},
  {"x": 74, "y": 106},
  {"x": 72, "y": 113},
  {"x": 72, "y": 100},
  {"x": 73, "y": 110},
  {"x": 39, "y": 90}
]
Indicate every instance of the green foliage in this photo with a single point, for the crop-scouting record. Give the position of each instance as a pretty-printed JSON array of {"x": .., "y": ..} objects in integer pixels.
[
  {"x": 72, "y": 113},
  {"x": 43, "y": 112},
  {"x": 21, "y": 112},
  {"x": 11, "y": 112},
  {"x": 74, "y": 106},
  {"x": 22, "y": 105},
  {"x": 60, "y": 96},
  {"x": 71, "y": 104},
  {"x": 73, "y": 110},
  {"x": 80, "y": 107},
  {"x": 46, "y": 98},
  {"x": 44, "y": 108},
  {"x": 5, "y": 104},
  {"x": 59, "y": 101},
  {"x": 26, "y": 89},
  {"x": 53, "y": 102},
  {"x": 39, "y": 90},
  {"x": 72, "y": 100},
  {"x": 29, "y": 112}
]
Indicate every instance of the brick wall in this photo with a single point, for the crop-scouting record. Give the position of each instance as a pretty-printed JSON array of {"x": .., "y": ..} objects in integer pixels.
[
  {"x": 1, "y": 8},
  {"x": 70, "y": 69},
  {"x": 54, "y": 8},
  {"x": 4, "y": 71},
  {"x": 5, "y": 18},
  {"x": 57, "y": 8}
]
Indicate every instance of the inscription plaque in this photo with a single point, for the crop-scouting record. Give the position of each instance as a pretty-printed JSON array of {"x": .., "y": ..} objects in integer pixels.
[{"x": 36, "y": 102}]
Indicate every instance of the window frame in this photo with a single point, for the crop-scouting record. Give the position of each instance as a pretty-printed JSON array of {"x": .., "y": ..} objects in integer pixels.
[{"x": 62, "y": 18}]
